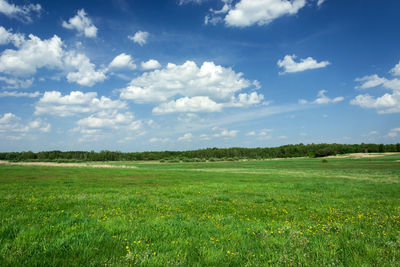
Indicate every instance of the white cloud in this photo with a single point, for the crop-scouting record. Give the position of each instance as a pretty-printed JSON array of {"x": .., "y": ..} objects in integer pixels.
[
  {"x": 186, "y": 104},
  {"x": 244, "y": 100},
  {"x": 55, "y": 104},
  {"x": 19, "y": 94},
  {"x": 387, "y": 103},
  {"x": 150, "y": 65},
  {"x": 261, "y": 12},
  {"x": 186, "y": 137},
  {"x": 322, "y": 99},
  {"x": 225, "y": 133},
  {"x": 6, "y": 37},
  {"x": 394, "y": 132},
  {"x": 395, "y": 71},
  {"x": 82, "y": 23},
  {"x": 320, "y": 2},
  {"x": 86, "y": 74},
  {"x": 109, "y": 123},
  {"x": 140, "y": 37},
  {"x": 34, "y": 53},
  {"x": 14, "y": 83},
  {"x": 252, "y": 133},
  {"x": 11, "y": 126},
  {"x": 215, "y": 82},
  {"x": 22, "y": 13},
  {"x": 31, "y": 55},
  {"x": 291, "y": 66},
  {"x": 370, "y": 81},
  {"x": 122, "y": 61},
  {"x": 110, "y": 119}
]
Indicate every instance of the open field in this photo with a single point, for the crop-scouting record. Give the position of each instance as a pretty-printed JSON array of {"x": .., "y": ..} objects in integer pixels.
[{"x": 345, "y": 212}]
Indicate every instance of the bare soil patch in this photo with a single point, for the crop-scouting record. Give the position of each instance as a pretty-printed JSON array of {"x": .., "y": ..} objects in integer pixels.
[
  {"x": 55, "y": 164},
  {"x": 363, "y": 155}
]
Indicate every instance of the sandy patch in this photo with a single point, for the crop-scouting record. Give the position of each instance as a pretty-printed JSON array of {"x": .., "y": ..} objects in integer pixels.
[
  {"x": 55, "y": 164},
  {"x": 363, "y": 155}
]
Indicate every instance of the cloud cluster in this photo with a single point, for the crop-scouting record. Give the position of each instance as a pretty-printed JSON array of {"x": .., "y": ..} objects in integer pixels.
[
  {"x": 81, "y": 23},
  {"x": 33, "y": 54},
  {"x": 204, "y": 89},
  {"x": 253, "y": 12},
  {"x": 11, "y": 126},
  {"x": 289, "y": 64},
  {"x": 86, "y": 73},
  {"x": 23, "y": 13},
  {"x": 53, "y": 103},
  {"x": 387, "y": 103},
  {"x": 187, "y": 104}
]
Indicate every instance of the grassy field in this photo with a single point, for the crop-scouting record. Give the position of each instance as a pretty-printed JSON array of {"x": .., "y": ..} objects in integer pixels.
[{"x": 345, "y": 212}]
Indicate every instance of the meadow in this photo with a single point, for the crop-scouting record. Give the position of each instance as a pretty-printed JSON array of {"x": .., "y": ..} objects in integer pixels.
[{"x": 288, "y": 212}]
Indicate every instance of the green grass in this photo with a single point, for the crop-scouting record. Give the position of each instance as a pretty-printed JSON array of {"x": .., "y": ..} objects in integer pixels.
[{"x": 345, "y": 212}]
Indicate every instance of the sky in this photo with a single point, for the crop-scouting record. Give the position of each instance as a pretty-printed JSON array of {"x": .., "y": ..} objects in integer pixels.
[{"x": 155, "y": 75}]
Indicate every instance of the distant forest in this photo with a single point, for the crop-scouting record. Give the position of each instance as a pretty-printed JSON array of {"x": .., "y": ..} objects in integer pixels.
[{"x": 211, "y": 154}]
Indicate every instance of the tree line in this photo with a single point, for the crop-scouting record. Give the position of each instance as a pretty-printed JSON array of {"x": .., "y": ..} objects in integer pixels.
[{"x": 286, "y": 151}]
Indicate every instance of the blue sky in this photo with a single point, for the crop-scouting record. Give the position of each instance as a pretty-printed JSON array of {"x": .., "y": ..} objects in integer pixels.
[{"x": 185, "y": 74}]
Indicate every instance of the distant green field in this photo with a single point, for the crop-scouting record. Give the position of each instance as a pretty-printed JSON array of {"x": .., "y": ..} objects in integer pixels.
[{"x": 345, "y": 212}]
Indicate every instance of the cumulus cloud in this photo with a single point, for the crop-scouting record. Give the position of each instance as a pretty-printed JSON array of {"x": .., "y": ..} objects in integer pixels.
[
  {"x": 19, "y": 94},
  {"x": 150, "y": 65},
  {"x": 140, "y": 37},
  {"x": 323, "y": 99},
  {"x": 320, "y": 2},
  {"x": 6, "y": 37},
  {"x": 187, "y": 104},
  {"x": 81, "y": 23},
  {"x": 31, "y": 55},
  {"x": 11, "y": 126},
  {"x": 85, "y": 73},
  {"x": 23, "y": 13},
  {"x": 110, "y": 119},
  {"x": 55, "y": 104},
  {"x": 34, "y": 53},
  {"x": 217, "y": 83},
  {"x": 186, "y": 137},
  {"x": 394, "y": 132},
  {"x": 107, "y": 123},
  {"x": 289, "y": 64},
  {"x": 395, "y": 71},
  {"x": 244, "y": 100},
  {"x": 122, "y": 61},
  {"x": 261, "y": 12},
  {"x": 387, "y": 103}
]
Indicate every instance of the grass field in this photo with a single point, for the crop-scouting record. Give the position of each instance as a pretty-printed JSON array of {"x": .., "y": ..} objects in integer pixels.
[{"x": 345, "y": 212}]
